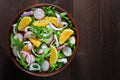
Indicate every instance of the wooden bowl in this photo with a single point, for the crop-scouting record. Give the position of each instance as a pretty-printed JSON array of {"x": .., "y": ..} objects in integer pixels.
[{"x": 44, "y": 74}]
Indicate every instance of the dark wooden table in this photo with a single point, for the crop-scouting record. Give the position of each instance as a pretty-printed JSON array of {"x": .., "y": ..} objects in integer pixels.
[{"x": 98, "y": 57}]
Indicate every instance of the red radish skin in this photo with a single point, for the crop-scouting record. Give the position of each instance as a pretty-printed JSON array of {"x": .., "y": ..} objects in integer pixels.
[
  {"x": 28, "y": 34},
  {"x": 61, "y": 47},
  {"x": 19, "y": 36},
  {"x": 45, "y": 65},
  {"x": 39, "y": 13}
]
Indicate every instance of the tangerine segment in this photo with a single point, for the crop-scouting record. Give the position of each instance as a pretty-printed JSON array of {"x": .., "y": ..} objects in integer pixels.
[
  {"x": 25, "y": 48},
  {"x": 54, "y": 20},
  {"x": 41, "y": 23},
  {"x": 35, "y": 41},
  {"x": 53, "y": 55},
  {"x": 65, "y": 35},
  {"x": 24, "y": 22}
]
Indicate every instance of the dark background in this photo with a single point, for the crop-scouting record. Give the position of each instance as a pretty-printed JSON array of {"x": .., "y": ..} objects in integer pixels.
[{"x": 98, "y": 57}]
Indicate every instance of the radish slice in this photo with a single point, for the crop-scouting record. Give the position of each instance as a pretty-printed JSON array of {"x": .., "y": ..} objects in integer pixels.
[
  {"x": 16, "y": 52},
  {"x": 67, "y": 51},
  {"x": 39, "y": 13},
  {"x": 56, "y": 39},
  {"x": 44, "y": 46},
  {"x": 19, "y": 36},
  {"x": 36, "y": 68},
  {"x": 30, "y": 59},
  {"x": 45, "y": 65},
  {"x": 14, "y": 28},
  {"x": 64, "y": 60},
  {"x": 26, "y": 29},
  {"x": 72, "y": 40},
  {"x": 27, "y": 13},
  {"x": 61, "y": 47},
  {"x": 58, "y": 17},
  {"x": 41, "y": 51},
  {"x": 28, "y": 34},
  {"x": 29, "y": 44},
  {"x": 34, "y": 52}
]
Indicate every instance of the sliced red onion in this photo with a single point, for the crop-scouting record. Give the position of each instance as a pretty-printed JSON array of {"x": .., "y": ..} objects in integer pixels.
[
  {"x": 19, "y": 36},
  {"x": 14, "y": 28},
  {"x": 58, "y": 17},
  {"x": 64, "y": 60},
  {"x": 45, "y": 65},
  {"x": 51, "y": 40},
  {"x": 32, "y": 68},
  {"x": 26, "y": 29},
  {"x": 34, "y": 52},
  {"x": 49, "y": 27},
  {"x": 27, "y": 13},
  {"x": 57, "y": 29},
  {"x": 67, "y": 51},
  {"x": 39, "y": 13},
  {"x": 30, "y": 46},
  {"x": 65, "y": 24},
  {"x": 16, "y": 52},
  {"x": 72, "y": 40},
  {"x": 28, "y": 59},
  {"x": 61, "y": 47},
  {"x": 56, "y": 40},
  {"x": 28, "y": 34},
  {"x": 32, "y": 58}
]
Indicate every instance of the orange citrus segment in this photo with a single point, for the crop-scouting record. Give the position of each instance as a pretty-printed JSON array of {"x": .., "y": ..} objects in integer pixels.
[
  {"x": 65, "y": 35},
  {"x": 25, "y": 21},
  {"x": 25, "y": 48},
  {"x": 53, "y": 55},
  {"x": 35, "y": 41},
  {"x": 41, "y": 23},
  {"x": 54, "y": 20}
]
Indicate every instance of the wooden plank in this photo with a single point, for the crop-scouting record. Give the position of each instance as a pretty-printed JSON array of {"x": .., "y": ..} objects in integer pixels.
[
  {"x": 87, "y": 62},
  {"x": 111, "y": 39}
]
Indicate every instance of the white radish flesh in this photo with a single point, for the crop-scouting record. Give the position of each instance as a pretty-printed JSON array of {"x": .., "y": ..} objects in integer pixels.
[
  {"x": 41, "y": 51},
  {"x": 64, "y": 60},
  {"x": 44, "y": 46},
  {"x": 39, "y": 13},
  {"x": 67, "y": 51},
  {"x": 14, "y": 28},
  {"x": 72, "y": 40},
  {"x": 19, "y": 36},
  {"x": 16, "y": 52},
  {"x": 28, "y": 34},
  {"x": 45, "y": 65},
  {"x": 32, "y": 68}
]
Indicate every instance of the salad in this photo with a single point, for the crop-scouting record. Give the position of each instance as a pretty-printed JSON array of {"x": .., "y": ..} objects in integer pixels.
[{"x": 43, "y": 39}]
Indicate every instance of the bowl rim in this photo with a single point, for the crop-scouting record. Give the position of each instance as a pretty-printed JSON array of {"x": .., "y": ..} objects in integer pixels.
[{"x": 10, "y": 50}]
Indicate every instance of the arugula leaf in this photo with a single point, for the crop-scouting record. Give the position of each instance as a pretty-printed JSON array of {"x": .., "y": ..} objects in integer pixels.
[
  {"x": 60, "y": 55},
  {"x": 49, "y": 10}
]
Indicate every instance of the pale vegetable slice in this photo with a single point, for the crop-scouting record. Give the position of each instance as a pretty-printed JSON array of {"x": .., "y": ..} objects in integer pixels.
[
  {"x": 64, "y": 60},
  {"x": 67, "y": 51},
  {"x": 45, "y": 65},
  {"x": 16, "y": 52},
  {"x": 19, "y": 36},
  {"x": 72, "y": 40},
  {"x": 36, "y": 68},
  {"x": 29, "y": 45},
  {"x": 26, "y": 29},
  {"x": 56, "y": 40},
  {"x": 61, "y": 47},
  {"x": 39, "y": 13},
  {"x": 14, "y": 28},
  {"x": 64, "y": 36},
  {"x": 27, "y": 13},
  {"x": 25, "y": 21},
  {"x": 28, "y": 34}
]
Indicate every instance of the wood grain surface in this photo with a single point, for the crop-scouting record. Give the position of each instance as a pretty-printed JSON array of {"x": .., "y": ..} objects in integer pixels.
[{"x": 98, "y": 57}]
